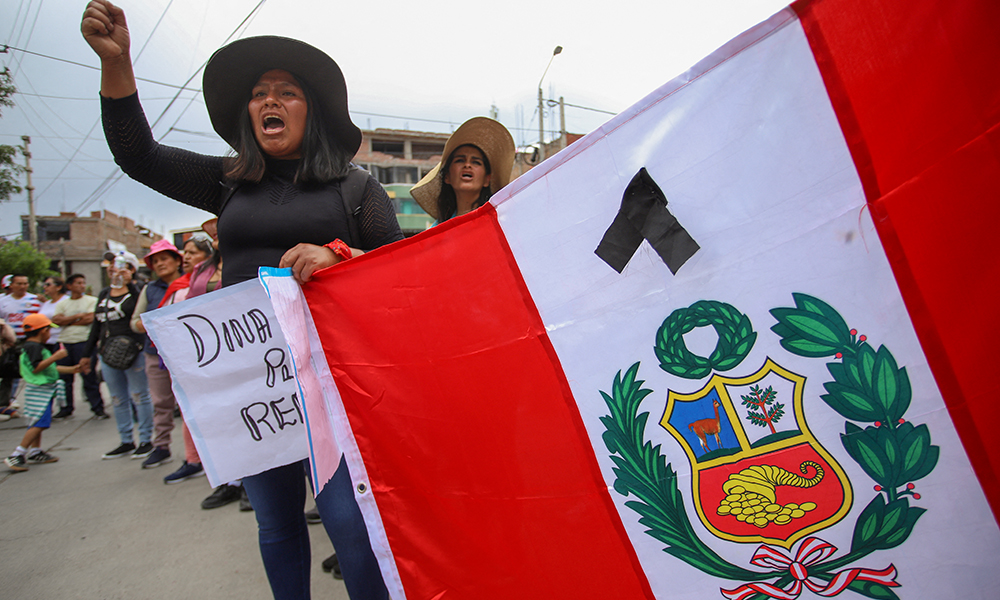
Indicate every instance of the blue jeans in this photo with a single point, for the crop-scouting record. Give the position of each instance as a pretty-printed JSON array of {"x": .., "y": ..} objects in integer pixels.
[
  {"x": 278, "y": 497},
  {"x": 128, "y": 388}
]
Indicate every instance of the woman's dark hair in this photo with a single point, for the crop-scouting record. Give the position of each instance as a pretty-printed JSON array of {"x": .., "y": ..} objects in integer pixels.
[
  {"x": 447, "y": 203},
  {"x": 58, "y": 281},
  {"x": 212, "y": 261},
  {"x": 323, "y": 159},
  {"x": 203, "y": 244}
]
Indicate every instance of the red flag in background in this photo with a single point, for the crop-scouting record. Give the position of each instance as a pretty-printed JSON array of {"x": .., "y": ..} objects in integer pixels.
[{"x": 601, "y": 384}]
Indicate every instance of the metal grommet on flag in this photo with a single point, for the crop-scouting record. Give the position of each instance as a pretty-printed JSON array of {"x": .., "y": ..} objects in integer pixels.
[{"x": 362, "y": 488}]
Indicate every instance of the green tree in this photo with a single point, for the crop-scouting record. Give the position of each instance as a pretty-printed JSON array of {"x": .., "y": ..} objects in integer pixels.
[
  {"x": 20, "y": 257},
  {"x": 9, "y": 169},
  {"x": 762, "y": 400}
]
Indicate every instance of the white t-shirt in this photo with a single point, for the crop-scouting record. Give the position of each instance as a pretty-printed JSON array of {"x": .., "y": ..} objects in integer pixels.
[
  {"x": 48, "y": 309},
  {"x": 74, "y": 334},
  {"x": 14, "y": 310}
]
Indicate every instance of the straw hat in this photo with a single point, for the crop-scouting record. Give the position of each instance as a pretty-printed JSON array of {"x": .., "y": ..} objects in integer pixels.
[
  {"x": 491, "y": 138},
  {"x": 234, "y": 69}
]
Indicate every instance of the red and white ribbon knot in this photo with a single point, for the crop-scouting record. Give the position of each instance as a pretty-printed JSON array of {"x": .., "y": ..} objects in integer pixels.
[{"x": 812, "y": 551}]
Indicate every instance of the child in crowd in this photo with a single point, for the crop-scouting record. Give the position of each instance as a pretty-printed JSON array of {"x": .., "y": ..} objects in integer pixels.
[{"x": 42, "y": 385}]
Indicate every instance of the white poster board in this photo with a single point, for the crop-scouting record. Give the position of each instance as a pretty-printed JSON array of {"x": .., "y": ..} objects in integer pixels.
[{"x": 234, "y": 380}]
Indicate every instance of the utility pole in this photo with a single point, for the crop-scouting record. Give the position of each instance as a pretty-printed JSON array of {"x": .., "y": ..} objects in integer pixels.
[
  {"x": 541, "y": 125},
  {"x": 541, "y": 107},
  {"x": 32, "y": 224},
  {"x": 62, "y": 257},
  {"x": 562, "y": 123}
]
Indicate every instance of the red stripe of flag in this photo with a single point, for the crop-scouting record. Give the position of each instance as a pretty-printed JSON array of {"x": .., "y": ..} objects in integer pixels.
[
  {"x": 915, "y": 88},
  {"x": 478, "y": 458}
]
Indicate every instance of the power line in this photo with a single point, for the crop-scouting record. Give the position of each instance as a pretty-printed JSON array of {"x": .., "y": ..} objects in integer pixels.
[
  {"x": 607, "y": 112},
  {"x": 79, "y": 160},
  {"x": 107, "y": 184},
  {"x": 70, "y": 159},
  {"x": 87, "y": 99},
  {"x": 93, "y": 68},
  {"x": 14, "y": 20},
  {"x": 27, "y": 81},
  {"x": 92, "y": 127},
  {"x": 30, "y": 31},
  {"x": 155, "y": 27}
]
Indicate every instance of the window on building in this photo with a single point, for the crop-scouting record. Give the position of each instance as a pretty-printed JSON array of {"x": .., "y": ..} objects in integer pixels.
[
  {"x": 388, "y": 147},
  {"x": 425, "y": 151},
  {"x": 383, "y": 174},
  {"x": 404, "y": 175},
  {"x": 387, "y": 175},
  {"x": 409, "y": 206},
  {"x": 48, "y": 231}
]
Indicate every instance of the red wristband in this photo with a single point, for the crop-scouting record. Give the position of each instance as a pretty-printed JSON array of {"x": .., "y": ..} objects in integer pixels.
[{"x": 341, "y": 249}]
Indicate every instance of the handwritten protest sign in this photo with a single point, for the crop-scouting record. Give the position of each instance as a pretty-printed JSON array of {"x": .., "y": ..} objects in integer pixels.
[{"x": 234, "y": 380}]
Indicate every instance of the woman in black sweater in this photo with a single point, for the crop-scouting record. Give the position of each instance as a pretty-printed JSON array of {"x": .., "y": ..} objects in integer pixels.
[{"x": 282, "y": 201}]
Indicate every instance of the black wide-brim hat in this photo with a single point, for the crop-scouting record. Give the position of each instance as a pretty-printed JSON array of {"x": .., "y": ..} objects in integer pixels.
[{"x": 233, "y": 70}]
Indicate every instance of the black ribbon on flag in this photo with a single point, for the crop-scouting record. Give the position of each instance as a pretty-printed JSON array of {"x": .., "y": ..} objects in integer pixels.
[{"x": 644, "y": 216}]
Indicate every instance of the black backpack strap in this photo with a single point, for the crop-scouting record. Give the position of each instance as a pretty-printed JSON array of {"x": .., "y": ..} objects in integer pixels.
[{"x": 352, "y": 190}]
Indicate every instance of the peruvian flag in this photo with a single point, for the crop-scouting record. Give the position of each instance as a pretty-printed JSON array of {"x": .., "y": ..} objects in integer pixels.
[{"x": 835, "y": 168}]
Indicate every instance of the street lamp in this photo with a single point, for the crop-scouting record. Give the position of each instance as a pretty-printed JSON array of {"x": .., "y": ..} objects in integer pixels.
[{"x": 541, "y": 108}]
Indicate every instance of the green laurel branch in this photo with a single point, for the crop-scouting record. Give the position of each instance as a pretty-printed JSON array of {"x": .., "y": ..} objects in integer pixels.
[
  {"x": 868, "y": 387},
  {"x": 736, "y": 338},
  {"x": 643, "y": 473}
]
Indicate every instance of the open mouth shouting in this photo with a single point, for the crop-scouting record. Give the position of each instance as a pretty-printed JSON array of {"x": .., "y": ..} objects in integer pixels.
[{"x": 273, "y": 124}]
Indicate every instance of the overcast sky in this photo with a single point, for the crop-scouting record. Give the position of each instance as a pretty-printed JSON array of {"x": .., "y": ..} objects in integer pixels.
[{"x": 424, "y": 66}]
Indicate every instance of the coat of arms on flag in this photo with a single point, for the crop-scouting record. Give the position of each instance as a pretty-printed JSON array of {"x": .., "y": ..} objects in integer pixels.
[
  {"x": 767, "y": 479},
  {"x": 705, "y": 350}
]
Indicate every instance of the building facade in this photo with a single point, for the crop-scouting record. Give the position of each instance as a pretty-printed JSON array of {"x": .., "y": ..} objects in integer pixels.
[{"x": 77, "y": 244}]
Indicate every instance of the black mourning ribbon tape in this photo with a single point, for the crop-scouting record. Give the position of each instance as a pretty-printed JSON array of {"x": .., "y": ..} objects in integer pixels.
[{"x": 644, "y": 216}]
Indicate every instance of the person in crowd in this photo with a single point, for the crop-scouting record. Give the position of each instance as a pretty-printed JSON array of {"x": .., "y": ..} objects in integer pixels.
[
  {"x": 197, "y": 250},
  {"x": 14, "y": 307},
  {"x": 477, "y": 162},
  {"x": 285, "y": 199},
  {"x": 9, "y": 360},
  {"x": 122, "y": 364},
  {"x": 74, "y": 315},
  {"x": 7, "y": 336},
  {"x": 169, "y": 286},
  {"x": 18, "y": 304},
  {"x": 55, "y": 291},
  {"x": 42, "y": 387}
]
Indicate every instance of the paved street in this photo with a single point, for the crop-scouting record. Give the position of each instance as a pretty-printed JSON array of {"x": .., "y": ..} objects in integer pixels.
[{"x": 106, "y": 529}]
